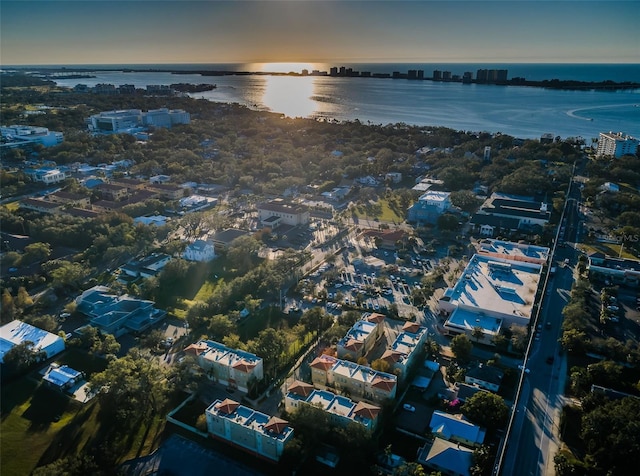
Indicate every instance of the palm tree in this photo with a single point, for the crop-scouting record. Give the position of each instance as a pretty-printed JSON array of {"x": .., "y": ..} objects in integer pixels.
[{"x": 477, "y": 333}]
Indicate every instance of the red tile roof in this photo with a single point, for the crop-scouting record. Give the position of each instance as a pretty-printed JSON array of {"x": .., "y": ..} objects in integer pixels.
[
  {"x": 383, "y": 383},
  {"x": 301, "y": 388},
  {"x": 411, "y": 327},
  {"x": 227, "y": 406},
  {"x": 276, "y": 425},
  {"x": 353, "y": 344},
  {"x": 366, "y": 410},
  {"x": 244, "y": 366},
  {"x": 392, "y": 356},
  {"x": 323, "y": 362},
  {"x": 196, "y": 349},
  {"x": 375, "y": 317}
]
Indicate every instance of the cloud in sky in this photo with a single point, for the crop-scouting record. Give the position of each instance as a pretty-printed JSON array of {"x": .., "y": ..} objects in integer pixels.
[{"x": 209, "y": 31}]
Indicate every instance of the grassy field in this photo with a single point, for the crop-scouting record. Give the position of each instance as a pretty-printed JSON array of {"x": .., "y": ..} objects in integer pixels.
[
  {"x": 611, "y": 249},
  {"x": 252, "y": 325},
  {"x": 30, "y": 432},
  {"x": 382, "y": 210}
]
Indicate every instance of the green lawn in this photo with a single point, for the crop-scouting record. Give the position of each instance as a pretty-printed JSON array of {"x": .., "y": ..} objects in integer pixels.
[
  {"x": 29, "y": 430},
  {"x": 382, "y": 210},
  {"x": 610, "y": 249},
  {"x": 268, "y": 317},
  {"x": 40, "y": 425}
]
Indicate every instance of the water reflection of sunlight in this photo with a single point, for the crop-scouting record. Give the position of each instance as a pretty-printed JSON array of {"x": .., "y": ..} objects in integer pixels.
[
  {"x": 282, "y": 67},
  {"x": 290, "y": 95}
]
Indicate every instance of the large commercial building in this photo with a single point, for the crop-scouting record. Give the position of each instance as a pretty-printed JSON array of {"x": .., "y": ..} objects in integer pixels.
[
  {"x": 260, "y": 434},
  {"x": 279, "y": 211},
  {"x": 491, "y": 293},
  {"x": 616, "y": 144},
  {"x": 24, "y": 136},
  {"x": 135, "y": 120},
  {"x": 505, "y": 213}
]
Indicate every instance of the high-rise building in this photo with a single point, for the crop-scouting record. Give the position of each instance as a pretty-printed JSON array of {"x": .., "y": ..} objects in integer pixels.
[{"x": 616, "y": 144}]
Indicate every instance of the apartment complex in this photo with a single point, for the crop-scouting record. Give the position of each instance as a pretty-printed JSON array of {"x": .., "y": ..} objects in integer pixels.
[
  {"x": 341, "y": 410},
  {"x": 616, "y": 144},
  {"x": 406, "y": 348},
  {"x": 362, "y": 336},
  {"x": 260, "y": 434},
  {"x": 231, "y": 367},
  {"x": 361, "y": 383}
]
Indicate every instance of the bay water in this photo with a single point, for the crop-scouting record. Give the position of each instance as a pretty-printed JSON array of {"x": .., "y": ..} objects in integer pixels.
[{"x": 520, "y": 111}]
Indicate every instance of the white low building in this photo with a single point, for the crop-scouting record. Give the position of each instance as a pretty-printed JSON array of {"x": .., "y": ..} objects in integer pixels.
[
  {"x": 200, "y": 250},
  {"x": 17, "y": 332}
]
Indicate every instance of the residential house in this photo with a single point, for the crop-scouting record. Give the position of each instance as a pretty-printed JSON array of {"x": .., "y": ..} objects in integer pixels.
[
  {"x": 46, "y": 175},
  {"x": 112, "y": 192},
  {"x": 117, "y": 315},
  {"x": 464, "y": 392},
  {"x": 260, "y": 434},
  {"x": 456, "y": 429},
  {"x": 223, "y": 239},
  {"x": 429, "y": 207},
  {"x": 70, "y": 199},
  {"x": 62, "y": 377},
  {"x": 485, "y": 376},
  {"x": 449, "y": 458},
  {"x": 40, "y": 205},
  {"x": 199, "y": 250},
  {"x": 230, "y": 367},
  {"x": 167, "y": 190},
  {"x": 146, "y": 267},
  {"x": 393, "y": 177},
  {"x": 341, "y": 410}
]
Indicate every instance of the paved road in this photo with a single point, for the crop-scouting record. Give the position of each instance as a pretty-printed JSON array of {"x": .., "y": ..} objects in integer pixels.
[{"x": 534, "y": 436}]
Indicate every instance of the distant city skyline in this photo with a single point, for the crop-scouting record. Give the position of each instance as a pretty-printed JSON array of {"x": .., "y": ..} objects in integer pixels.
[{"x": 60, "y": 32}]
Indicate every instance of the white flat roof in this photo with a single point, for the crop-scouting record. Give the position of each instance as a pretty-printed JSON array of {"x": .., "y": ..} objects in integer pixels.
[
  {"x": 17, "y": 332},
  {"x": 497, "y": 285},
  {"x": 516, "y": 251}
]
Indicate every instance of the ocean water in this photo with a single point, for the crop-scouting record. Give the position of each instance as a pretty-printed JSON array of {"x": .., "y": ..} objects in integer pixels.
[{"x": 520, "y": 111}]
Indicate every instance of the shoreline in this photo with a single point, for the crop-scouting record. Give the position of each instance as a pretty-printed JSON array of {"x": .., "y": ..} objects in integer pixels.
[{"x": 606, "y": 85}]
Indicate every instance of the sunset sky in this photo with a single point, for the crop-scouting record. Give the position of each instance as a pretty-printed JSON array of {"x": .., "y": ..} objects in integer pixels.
[{"x": 210, "y": 31}]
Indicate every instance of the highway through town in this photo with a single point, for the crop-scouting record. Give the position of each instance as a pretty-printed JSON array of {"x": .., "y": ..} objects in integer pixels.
[{"x": 534, "y": 437}]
